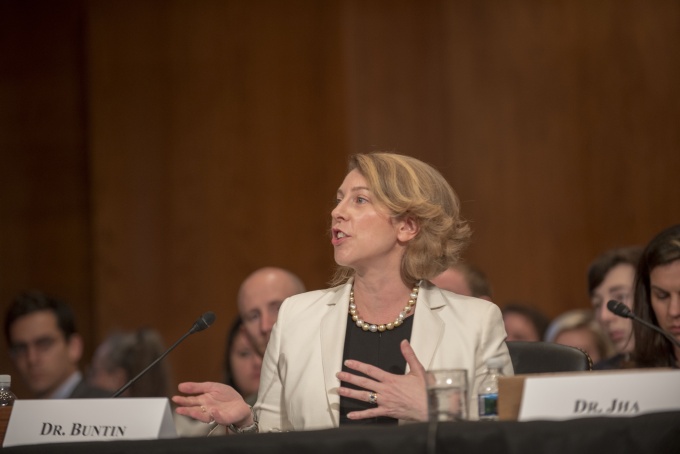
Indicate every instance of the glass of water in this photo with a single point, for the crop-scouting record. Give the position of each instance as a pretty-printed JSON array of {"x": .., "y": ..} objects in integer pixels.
[{"x": 447, "y": 391}]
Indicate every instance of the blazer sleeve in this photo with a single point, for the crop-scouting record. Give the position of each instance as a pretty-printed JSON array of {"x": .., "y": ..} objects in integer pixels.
[
  {"x": 269, "y": 406},
  {"x": 491, "y": 345}
]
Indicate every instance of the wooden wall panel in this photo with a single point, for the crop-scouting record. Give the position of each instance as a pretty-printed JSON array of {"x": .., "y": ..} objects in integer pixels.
[
  {"x": 44, "y": 193},
  {"x": 577, "y": 126},
  {"x": 396, "y": 74},
  {"x": 192, "y": 142},
  {"x": 557, "y": 123},
  {"x": 217, "y": 147}
]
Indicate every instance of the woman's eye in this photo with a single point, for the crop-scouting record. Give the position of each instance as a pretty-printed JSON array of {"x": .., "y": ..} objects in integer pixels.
[
  {"x": 623, "y": 297},
  {"x": 660, "y": 295}
]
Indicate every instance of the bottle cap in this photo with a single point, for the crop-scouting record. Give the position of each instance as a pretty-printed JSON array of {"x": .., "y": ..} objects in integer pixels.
[
  {"x": 6, "y": 380},
  {"x": 495, "y": 363}
]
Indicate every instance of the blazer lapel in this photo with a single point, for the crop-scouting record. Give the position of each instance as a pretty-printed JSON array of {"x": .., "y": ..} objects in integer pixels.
[
  {"x": 428, "y": 328},
  {"x": 333, "y": 328}
]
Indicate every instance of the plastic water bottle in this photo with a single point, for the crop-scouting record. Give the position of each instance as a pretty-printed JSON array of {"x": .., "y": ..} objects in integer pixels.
[
  {"x": 7, "y": 397},
  {"x": 487, "y": 395}
]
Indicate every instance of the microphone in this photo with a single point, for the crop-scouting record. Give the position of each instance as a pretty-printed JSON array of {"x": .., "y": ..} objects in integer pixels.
[
  {"x": 620, "y": 309},
  {"x": 203, "y": 322}
]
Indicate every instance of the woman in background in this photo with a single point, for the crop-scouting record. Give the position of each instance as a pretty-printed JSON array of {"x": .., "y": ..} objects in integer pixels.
[
  {"x": 611, "y": 276},
  {"x": 657, "y": 301},
  {"x": 242, "y": 363}
]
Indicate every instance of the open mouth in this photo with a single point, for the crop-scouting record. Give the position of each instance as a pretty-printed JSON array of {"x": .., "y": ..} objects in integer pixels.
[{"x": 339, "y": 234}]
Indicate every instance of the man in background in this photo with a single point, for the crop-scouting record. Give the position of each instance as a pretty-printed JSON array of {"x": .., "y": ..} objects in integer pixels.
[
  {"x": 524, "y": 322},
  {"x": 46, "y": 348},
  {"x": 259, "y": 299},
  {"x": 464, "y": 279}
]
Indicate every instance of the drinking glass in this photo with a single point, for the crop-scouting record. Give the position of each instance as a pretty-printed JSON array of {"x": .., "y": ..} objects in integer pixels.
[{"x": 447, "y": 391}]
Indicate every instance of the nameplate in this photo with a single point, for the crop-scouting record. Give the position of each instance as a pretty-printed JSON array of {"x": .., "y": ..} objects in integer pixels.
[
  {"x": 614, "y": 393},
  {"x": 68, "y": 420}
]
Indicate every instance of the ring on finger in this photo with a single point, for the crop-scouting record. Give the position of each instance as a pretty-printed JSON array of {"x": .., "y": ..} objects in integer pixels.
[{"x": 373, "y": 398}]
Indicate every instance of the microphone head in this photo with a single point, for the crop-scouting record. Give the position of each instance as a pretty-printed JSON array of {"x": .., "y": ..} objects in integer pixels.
[
  {"x": 618, "y": 308},
  {"x": 203, "y": 322}
]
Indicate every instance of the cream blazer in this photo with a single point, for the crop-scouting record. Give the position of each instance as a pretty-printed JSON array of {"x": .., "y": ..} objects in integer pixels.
[{"x": 298, "y": 387}]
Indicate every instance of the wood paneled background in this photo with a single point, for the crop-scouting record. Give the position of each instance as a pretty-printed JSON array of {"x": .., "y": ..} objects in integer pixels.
[{"x": 153, "y": 153}]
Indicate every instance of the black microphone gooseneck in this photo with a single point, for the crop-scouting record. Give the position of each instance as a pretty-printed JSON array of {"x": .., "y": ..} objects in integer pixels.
[
  {"x": 202, "y": 323},
  {"x": 620, "y": 309}
]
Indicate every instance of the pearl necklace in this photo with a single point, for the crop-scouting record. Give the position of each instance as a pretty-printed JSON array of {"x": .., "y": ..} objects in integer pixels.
[{"x": 388, "y": 326}]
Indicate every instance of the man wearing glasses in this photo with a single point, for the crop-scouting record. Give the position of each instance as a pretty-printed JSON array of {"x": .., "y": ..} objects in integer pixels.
[{"x": 45, "y": 347}]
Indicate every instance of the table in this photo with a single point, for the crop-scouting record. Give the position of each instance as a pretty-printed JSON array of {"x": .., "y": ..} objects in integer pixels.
[{"x": 651, "y": 433}]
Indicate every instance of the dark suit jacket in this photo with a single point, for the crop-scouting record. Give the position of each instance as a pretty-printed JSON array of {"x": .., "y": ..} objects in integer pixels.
[{"x": 85, "y": 391}]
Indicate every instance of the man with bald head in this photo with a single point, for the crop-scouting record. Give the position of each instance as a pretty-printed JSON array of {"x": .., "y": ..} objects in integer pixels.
[{"x": 259, "y": 299}]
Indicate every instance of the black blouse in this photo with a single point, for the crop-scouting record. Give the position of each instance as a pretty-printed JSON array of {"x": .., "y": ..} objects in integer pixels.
[{"x": 380, "y": 349}]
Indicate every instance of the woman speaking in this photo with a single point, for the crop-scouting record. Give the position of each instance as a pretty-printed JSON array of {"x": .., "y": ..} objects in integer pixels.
[{"x": 357, "y": 352}]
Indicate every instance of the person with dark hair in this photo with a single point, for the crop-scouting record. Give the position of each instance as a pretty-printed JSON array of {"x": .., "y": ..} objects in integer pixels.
[
  {"x": 464, "y": 279},
  {"x": 45, "y": 347},
  {"x": 357, "y": 352},
  {"x": 611, "y": 276},
  {"x": 123, "y": 355},
  {"x": 657, "y": 301},
  {"x": 524, "y": 322},
  {"x": 242, "y": 362}
]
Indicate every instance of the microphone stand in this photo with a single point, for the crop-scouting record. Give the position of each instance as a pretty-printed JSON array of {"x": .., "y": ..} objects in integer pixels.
[
  {"x": 620, "y": 309},
  {"x": 129, "y": 383},
  {"x": 203, "y": 322},
  {"x": 658, "y": 330}
]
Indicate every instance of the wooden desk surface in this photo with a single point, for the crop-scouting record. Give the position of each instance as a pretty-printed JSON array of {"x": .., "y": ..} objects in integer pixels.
[{"x": 4, "y": 420}]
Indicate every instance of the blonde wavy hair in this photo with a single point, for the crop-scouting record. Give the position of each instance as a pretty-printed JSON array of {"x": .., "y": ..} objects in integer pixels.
[{"x": 408, "y": 187}]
